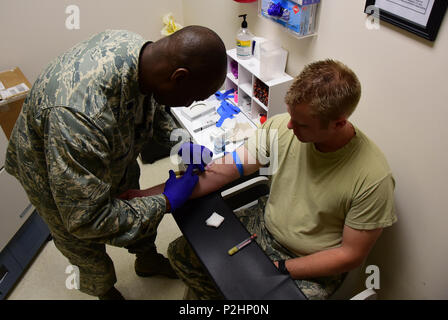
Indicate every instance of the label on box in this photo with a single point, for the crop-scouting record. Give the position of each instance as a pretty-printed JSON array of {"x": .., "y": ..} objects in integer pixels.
[
  {"x": 297, "y": 15},
  {"x": 5, "y": 94},
  {"x": 18, "y": 89},
  {"x": 305, "y": 2}
]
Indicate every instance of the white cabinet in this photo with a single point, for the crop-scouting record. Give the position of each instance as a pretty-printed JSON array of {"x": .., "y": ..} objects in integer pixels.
[
  {"x": 3, "y": 146},
  {"x": 22, "y": 231},
  {"x": 256, "y": 97},
  {"x": 15, "y": 207}
]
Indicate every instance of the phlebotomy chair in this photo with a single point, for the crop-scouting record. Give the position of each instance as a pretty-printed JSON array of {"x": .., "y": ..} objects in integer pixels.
[{"x": 245, "y": 192}]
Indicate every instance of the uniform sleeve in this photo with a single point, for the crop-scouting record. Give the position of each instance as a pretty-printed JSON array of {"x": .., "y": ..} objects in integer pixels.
[
  {"x": 78, "y": 161},
  {"x": 163, "y": 126},
  {"x": 373, "y": 208}
]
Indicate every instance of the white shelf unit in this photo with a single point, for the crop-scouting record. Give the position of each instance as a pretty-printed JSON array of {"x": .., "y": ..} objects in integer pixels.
[
  {"x": 248, "y": 101},
  {"x": 16, "y": 208}
]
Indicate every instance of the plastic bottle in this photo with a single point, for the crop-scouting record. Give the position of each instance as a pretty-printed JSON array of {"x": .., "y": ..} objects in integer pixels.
[{"x": 244, "y": 40}]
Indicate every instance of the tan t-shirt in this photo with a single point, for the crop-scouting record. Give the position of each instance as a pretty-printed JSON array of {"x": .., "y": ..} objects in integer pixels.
[{"x": 314, "y": 194}]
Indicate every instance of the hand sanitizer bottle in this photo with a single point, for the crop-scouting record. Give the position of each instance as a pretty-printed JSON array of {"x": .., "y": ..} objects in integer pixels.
[{"x": 244, "y": 41}]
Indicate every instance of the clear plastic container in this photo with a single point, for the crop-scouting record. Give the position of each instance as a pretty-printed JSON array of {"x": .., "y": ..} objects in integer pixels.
[
  {"x": 218, "y": 137},
  {"x": 272, "y": 60}
]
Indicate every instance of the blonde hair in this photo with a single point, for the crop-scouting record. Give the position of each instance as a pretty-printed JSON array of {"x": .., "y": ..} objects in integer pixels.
[{"x": 329, "y": 87}]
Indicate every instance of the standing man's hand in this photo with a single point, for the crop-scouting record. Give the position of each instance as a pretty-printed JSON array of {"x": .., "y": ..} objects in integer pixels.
[
  {"x": 195, "y": 154},
  {"x": 178, "y": 190}
]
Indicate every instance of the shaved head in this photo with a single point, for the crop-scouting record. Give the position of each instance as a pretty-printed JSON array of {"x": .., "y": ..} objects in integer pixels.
[
  {"x": 189, "y": 65},
  {"x": 200, "y": 50}
]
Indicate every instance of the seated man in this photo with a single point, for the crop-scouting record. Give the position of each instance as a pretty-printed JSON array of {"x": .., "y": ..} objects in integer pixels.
[{"x": 331, "y": 187}]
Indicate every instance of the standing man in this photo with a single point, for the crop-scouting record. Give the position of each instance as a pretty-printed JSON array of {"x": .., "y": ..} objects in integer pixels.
[
  {"x": 75, "y": 144},
  {"x": 331, "y": 194}
]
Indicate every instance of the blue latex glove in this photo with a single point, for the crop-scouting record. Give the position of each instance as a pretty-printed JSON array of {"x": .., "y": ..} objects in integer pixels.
[
  {"x": 178, "y": 190},
  {"x": 195, "y": 154},
  {"x": 226, "y": 110}
]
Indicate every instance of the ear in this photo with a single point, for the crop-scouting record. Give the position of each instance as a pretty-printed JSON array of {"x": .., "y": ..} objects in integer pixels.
[
  {"x": 340, "y": 123},
  {"x": 180, "y": 75}
]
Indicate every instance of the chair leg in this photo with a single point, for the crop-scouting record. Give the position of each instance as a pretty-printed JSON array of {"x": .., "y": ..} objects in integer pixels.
[{"x": 368, "y": 294}]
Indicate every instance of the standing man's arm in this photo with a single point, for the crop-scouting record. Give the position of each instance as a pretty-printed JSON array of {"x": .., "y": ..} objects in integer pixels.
[{"x": 79, "y": 161}]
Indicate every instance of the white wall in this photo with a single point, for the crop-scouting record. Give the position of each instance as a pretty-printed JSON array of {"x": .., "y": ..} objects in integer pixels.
[
  {"x": 33, "y": 32},
  {"x": 403, "y": 109}
]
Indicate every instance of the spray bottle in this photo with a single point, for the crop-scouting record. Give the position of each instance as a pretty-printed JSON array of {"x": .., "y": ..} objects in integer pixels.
[{"x": 244, "y": 40}]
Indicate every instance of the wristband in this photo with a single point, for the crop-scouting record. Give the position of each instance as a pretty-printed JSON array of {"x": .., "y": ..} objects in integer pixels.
[
  {"x": 238, "y": 163},
  {"x": 282, "y": 267}
]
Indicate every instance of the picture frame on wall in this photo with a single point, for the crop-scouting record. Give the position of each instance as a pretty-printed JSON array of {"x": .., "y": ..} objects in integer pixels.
[{"x": 421, "y": 17}]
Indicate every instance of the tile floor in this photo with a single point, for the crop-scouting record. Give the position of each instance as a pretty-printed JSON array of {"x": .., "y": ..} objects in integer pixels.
[{"x": 45, "y": 279}]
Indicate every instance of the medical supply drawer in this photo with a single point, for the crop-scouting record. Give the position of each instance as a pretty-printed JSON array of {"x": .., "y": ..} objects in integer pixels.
[
  {"x": 15, "y": 207},
  {"x": 3, "y": 146}
]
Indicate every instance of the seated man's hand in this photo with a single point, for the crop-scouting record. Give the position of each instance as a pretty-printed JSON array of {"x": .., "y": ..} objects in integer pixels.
[
  {"x": 195, "y": 154},
  {"x": 178, "y": 190}
]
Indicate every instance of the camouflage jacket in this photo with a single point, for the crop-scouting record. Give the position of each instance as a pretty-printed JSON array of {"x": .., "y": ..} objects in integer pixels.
[{"x": 82, "y": 124}]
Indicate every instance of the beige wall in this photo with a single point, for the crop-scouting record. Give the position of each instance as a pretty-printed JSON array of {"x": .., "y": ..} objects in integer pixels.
[
  {"x": 33, "y": 32},
  {"x": 404, "y": 110}
]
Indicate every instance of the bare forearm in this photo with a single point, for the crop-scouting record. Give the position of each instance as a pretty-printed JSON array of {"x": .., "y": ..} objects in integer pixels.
[
  {"x": 356, "y": 245},
  {"x": 224, "y": 171},
  {"x": 215, "y": 177},
  {"x": 324, "y": 263},
  {"x": 218, "y": 174}
]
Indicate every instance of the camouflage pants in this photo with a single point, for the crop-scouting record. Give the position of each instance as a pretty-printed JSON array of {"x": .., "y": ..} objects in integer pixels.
[
  {"x": 96, "y": 268},
  {"x": 97, "y": 272},
  {"x": 190, "y": 270}
]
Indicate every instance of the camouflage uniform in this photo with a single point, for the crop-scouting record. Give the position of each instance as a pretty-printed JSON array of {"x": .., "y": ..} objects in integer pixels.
[
  {"x": 74, "y": 149},
  {"x": 186, "y": 264}
]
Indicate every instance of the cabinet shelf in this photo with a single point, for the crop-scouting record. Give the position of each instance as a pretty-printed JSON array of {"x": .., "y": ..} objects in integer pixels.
[
  {"x": 249, "y": 116},
  {"x": 261, "y": 104},
  {"x": 247, "y": 88},
  {"x": 232, "y": 78}
]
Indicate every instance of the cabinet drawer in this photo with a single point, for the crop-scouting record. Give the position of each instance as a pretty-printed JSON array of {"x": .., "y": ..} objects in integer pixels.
[
  {"x": 10, "y": 271},
  {"x": 15, "y": 207},
  {"x": 3, "y": 146},
  {"x": 29, "y": 239}
]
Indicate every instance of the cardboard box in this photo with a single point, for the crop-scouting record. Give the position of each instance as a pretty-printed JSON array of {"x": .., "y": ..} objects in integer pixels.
[{"x": 14, "y": 87}]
